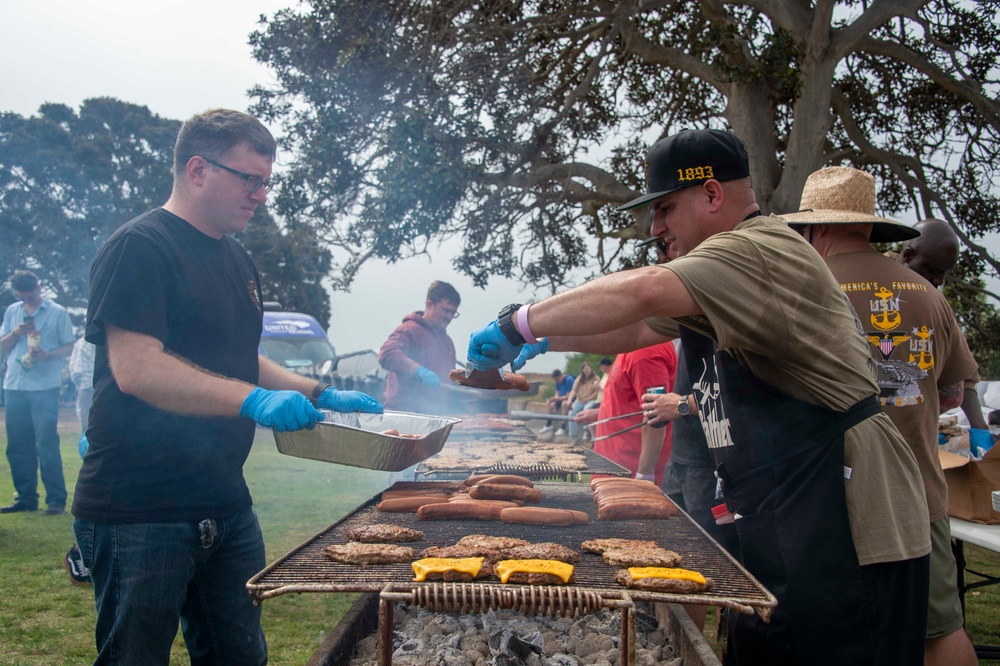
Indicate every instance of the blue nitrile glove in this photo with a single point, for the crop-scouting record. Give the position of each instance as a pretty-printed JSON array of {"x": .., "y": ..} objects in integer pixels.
[
  {"x": 83, "y": 445},
  {"x": 429, "y": 378},
  {"x": 281, "y": 410},
  {"x": 488, "y": 348},
  {"x": 980, "y": 441},
  {"x": 529, "y": 352},
  {"x": 348, "y": 401}
]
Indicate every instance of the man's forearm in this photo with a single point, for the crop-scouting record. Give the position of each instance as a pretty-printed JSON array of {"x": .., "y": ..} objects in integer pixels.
[
  {"x": 610, "y": 303},
  {"x": 972, "y": 409},
  {"x": 619, "y": 341},
  {"x": 652, "y": 445},
  {"x": 142, "y": 368},
  {"x": 274, "y": 377},
  {"x": 7, "y": 342}
]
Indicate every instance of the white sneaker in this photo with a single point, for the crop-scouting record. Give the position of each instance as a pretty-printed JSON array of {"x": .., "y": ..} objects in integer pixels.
[
  {"x": 561, "y": 432},
  {"x": 546, "y": 430}
]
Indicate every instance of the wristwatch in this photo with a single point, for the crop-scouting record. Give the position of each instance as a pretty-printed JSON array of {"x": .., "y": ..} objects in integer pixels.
[
  {"x": 683, "y": 407},
  {"x": 318, "y": 391},
  {"x": 505, "y": 319}
]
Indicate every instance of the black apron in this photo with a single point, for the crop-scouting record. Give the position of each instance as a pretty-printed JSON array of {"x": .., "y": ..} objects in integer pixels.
[{"x": 784, "y": 476}]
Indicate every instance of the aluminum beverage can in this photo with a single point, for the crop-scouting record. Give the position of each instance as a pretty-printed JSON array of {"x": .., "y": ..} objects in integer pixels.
[{"x": 660, "y": 390}]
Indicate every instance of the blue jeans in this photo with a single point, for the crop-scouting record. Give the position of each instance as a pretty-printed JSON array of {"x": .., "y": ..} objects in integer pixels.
[
  {"x": 149, "y": 575},
  {"x": 33, "y": 444},
  {"x": 574, "y": 427}
]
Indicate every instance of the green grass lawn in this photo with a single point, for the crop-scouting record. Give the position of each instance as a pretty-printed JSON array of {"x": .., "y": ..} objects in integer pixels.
[{"x": 45, "y": 620}]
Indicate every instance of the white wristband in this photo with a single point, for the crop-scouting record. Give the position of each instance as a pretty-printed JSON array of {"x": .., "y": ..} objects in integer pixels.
[
  {"x": 522, "y": 325},
  {"x": 645, "y": 477}
]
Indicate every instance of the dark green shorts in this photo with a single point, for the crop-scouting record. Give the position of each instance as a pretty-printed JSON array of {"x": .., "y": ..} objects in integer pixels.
[{"x": 944, "y": 609}]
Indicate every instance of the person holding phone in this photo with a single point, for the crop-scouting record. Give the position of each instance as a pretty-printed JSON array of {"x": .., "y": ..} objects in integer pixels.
[{"x": 36, "y": 337}]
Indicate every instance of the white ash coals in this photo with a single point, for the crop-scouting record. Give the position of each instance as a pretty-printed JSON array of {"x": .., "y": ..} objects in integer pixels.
[{"x": 508, "y": 638}]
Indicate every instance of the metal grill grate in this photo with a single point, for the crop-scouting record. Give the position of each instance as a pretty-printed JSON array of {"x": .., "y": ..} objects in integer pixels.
[
  {"x": 306, "y": 569},
  {"x": 460, "y": 459}
]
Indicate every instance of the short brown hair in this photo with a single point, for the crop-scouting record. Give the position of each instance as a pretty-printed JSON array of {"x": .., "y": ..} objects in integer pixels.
[
  {"x": 215, "y": 132},
  {"x": 23, "y": 281},
  {"x": 442, "y": 291}
]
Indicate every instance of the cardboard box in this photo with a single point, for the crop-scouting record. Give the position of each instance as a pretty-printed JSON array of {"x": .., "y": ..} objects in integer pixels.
[{"x": 971, "y": 484}]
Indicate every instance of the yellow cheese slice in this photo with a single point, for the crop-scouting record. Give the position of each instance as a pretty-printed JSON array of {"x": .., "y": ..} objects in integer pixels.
[
  {"x": 638, "y": 573},
  {"x": 467, "y": 565},
  {"x": 507, "y": 567}
]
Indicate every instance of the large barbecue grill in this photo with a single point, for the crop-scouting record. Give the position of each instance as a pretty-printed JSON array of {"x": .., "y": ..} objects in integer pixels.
[{"x": 306, "y": 569}]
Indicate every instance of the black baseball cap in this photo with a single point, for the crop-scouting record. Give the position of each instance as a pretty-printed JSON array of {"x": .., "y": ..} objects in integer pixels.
[{"x": 690, "y": 158}]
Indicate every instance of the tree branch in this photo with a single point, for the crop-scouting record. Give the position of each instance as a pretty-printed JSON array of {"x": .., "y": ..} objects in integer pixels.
[
  {"x": 988, "y": 107},
  {"x": 878, "y": 13},
  {"x": 909, "y": 170}
]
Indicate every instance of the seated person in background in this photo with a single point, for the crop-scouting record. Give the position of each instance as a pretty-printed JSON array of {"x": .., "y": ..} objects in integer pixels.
[
  {"x": 605, "y": 367},
  {"x": 558, "y": 404},
  {"x": 419, "y": 354},
  {"x": 583, "y": 396}
]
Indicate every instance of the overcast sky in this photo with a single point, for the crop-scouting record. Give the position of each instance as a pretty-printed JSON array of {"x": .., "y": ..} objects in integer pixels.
[{"x": 180, "y": 58}]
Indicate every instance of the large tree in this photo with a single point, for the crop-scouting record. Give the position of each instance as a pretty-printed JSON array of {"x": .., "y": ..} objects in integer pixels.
[
  {"x": 518, "y": 126},
  {"x": 69, "y": 179}
]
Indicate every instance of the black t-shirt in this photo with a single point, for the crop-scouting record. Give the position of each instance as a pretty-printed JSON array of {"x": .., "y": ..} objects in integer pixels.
[
  {"x": 689, "y": 445},
  {"x": 200, "y": 297}
]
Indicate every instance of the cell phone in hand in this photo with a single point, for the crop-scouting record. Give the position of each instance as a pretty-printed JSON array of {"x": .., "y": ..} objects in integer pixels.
[{"x": 29, "y": 320}]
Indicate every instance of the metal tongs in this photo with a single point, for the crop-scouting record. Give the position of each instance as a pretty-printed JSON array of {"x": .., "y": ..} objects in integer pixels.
[
  {"x": 491, "y": 375},
  {"x": 619, "y": 432}
]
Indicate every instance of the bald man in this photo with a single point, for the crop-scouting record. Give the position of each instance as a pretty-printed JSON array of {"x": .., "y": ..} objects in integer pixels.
[{"x": 932, "y": 255}]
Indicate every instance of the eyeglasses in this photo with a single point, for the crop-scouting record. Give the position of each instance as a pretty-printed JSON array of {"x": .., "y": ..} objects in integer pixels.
[
  {"x": 454, "y": 314},
  {"x": 250, "y": 183}
]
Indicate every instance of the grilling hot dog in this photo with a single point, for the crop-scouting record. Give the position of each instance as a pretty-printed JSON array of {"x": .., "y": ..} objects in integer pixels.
[
  {"x": 409, "y": 504},
  {"x": 460, "y": 511},
  {"x": 499, "y": 478},
  {"x": 509, "y": 381},
  {"x": 505, "y": 491}
]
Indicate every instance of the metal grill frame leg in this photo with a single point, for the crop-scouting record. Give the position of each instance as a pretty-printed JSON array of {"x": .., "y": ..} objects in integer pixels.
[{"x": 386, "y": 610}]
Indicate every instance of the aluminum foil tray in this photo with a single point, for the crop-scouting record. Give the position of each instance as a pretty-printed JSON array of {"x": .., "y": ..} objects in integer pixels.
[{"x": 356, "y": 440}]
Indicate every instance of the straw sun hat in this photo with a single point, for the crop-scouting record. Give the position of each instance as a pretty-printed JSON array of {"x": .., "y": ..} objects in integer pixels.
[{"x": 844, "y": 195}]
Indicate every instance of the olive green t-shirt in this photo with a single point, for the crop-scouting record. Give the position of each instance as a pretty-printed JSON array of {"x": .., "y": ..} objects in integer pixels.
[
  {"x": 769, "y": 300},
  {"x": 917, "y": 347}
]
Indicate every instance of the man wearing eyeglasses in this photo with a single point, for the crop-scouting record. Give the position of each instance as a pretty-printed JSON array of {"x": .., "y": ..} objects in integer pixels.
[
  {"x": 164, "y": 519},
  {"x": 419, "y": 354}
]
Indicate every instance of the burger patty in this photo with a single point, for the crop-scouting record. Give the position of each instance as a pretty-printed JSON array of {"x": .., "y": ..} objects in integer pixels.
[
  {"x": 383, "y": 533},
  {"x": 600, "y": 545},
  {"x": 490, "y": 542},
  {"x": 368, "y": 553},
  {"x": 641, "y": 557}
]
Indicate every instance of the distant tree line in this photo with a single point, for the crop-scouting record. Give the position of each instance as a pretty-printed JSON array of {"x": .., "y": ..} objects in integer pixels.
[{"x": 69, "y": 178}]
